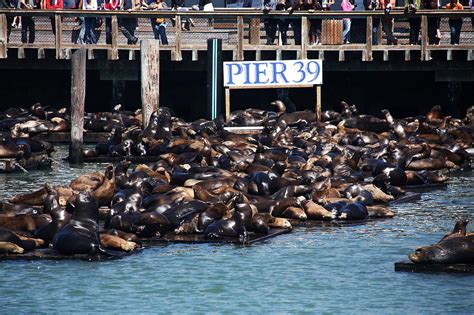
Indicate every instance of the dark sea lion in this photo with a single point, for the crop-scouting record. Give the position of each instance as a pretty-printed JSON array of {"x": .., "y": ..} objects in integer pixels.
[
  {"x": 455, "y": 248},
  {"x": 81, "y": 234},
  {"x": 10, "y": 237},
  {"x": 352, "y": 211}
]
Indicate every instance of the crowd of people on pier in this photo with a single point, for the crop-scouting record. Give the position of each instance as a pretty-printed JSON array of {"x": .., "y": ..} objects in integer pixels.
[{"x": 272, "y": 24}]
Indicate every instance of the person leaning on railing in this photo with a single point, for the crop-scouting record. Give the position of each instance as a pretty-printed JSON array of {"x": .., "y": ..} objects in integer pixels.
[
  {"x": 158, "y": 24},
  {"x": 52, "y": 5},
  {"x": 283, "y": 5},
  {"x": 128, "y": 25},
  {"x": 109, "y": 5},
  {"x": 28, "y": 22},
  {"x": 8, "y": 4},
  {"x": 434, "y": 34},
  {"x": 269, "y": 23},
  {"x": 315, "y": 25},
  {"x": 455, "y": 23},
  {"x": 387, "y": 21},
  {"x": 296, "y": 22},
  {"x": 87, "y": 33},
  {"x": 347, "y": 6},
  {"x": 411, "y": 6}
]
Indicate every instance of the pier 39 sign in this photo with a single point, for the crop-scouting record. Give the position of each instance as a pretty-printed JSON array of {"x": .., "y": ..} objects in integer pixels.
[{"x": 291, "y": 73}]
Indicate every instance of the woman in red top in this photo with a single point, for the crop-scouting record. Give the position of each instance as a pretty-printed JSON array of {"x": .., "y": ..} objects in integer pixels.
[
  {"x": 455, "y": 24},
  {"x": 52, "y": 5},
  {"x": 109, "y": 5}
]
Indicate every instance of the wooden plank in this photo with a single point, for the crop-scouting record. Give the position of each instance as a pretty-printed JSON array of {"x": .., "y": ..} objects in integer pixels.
[
  {"x": 112, "y": 54},
  {"x": 318, "y": 103},
  {"x": 78, "y": 96},
  {"x": 424, "y": 37},
  {"x": 240, "y": 38},
  {"x": 177, "y": 56},
  {"x": 58, "y": 36},
  {"x": 409, "y": 266},
  {"x": 51, "y": 254},
  {"x": 149, "y": 77},
  {"x": 21, "y": 53},
  {"x": 3, "y": 36},
  {"x": 227, "y": 104},
  {"x": 407, "y": 55},
  {"x": 368, "y": 38},
  {"x": 41, "y": 53},
  {"x": 408, "y": 197},
  {"x": 304, "y": 37}
]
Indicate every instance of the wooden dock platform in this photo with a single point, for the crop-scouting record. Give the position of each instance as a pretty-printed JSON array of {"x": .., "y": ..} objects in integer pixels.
[{"x": 408, "y": 266}]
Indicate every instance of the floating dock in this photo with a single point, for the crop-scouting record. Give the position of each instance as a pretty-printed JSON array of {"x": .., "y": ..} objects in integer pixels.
[{"x": 408, "y": 266}]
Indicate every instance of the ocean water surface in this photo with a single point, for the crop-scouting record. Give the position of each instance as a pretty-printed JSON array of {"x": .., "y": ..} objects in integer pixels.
[{"x": 347, "y": 269}]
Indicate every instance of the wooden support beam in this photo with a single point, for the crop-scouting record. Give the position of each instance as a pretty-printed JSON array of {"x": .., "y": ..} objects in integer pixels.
[
  {"x": 112, "y": 53},
  {"x": 150, "y": 77},
  {"x": 41, "y": 53},
  {"x": 449, "y": 55},
  {"x": 321, "y": 55},
  {"x": 21, "y": 53},
  {"x": 258, "y": 55},
  {"x": 342, "y": 56},
  {"x": 131, "y": 54},
  {"x": 368, "y": 39},
  {"x": 304, "y": 37},
  {"x": 78, "y": 97},
  {"x": 58, "y": 36},
  {"x": 3, "y": 36},
  {"x": 254, "y": 31},
  {"x": 240, "y": 38},
  {"x": 470, "y": 54},
  {"x": 227, "y": 104},
  {"x": 407, "y": 55},
  {"x": 424, "y": 37},
  {"x": 177, "y": 55},
  {"x": 298, "y": 54},
  {"x": 318, "y": 103},
  {"x": 90, "y": 54},
  {"x": 385, "y": 55},
  {"x": 278, "y": 54}
]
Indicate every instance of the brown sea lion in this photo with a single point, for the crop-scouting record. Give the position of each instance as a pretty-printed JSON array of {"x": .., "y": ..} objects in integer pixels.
[
  {"x": 105, "y": 192},
  {"x": 316, "y": 212},
  {"x": 116, "y": 242},
  {"x": 10, "y": 248}
]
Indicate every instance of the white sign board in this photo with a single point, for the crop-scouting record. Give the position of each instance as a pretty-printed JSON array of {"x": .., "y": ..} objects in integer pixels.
[{"x": 295, "y": 73}]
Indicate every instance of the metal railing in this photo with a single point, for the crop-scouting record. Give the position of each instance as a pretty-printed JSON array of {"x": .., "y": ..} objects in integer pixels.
[{"x": 241, "y": 30}]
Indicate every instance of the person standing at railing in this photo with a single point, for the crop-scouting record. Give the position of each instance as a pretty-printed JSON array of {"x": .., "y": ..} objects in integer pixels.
[
  {"x": 270, "y": 23},
  {"x": 128, "y": 25},
  {"x": 372, "y": 5},
  {"x": 315, "y": 25},
  {"x": 52, "y": 5},
  {"x": 283, "y": 23},
  {"x": 28, "y": 22},
  {"x": 434, "y": 35},
  {"x": 296, "y": 22},
  {"x": 455, "y": 23},
  {"x": 411, "y": 6},
  {"x": 109, "y": 5},
  {"x": 387, "y": 21},
  {"x": 347, "y": 6},
  {"x": 206, "y": 6},
  {"x": 87, "y": 33},
  {"x": 8, "y": 4},
  {"x": 158, "y": 24}
]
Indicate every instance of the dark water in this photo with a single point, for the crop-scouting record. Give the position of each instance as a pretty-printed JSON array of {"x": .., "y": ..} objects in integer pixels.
[{"x": 339, "y": 269}]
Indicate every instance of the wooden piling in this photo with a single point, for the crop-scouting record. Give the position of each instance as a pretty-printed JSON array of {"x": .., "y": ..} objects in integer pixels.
[
  {"x": 3, "y": 36},
  {"x": 78, "y": 96},
  {"x": 150, "y": 77},
  {"x": 318, "y": 103}
]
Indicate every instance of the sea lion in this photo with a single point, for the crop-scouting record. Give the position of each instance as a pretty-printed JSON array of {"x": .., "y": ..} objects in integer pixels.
[
  {"x": 352, "y": 211},
  {"x": 105, "y": 192},
  {"x": 454, "y": 248},
  {"x": 81, "y": 234},
  {"x": 116, "y": 242},
  {"x": 10, "y": 248},
  {"x": 316, "y": 212},
  {"x": 10, "y": 237}
]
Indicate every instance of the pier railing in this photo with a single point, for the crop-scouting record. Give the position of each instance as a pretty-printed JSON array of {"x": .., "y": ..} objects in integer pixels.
[{"x": 242, "y": 32}]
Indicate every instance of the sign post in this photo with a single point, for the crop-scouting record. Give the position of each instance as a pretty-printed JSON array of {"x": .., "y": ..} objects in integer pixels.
[
  {"x": 273, "y": 74},
  {"x": 214, "y": 77}
]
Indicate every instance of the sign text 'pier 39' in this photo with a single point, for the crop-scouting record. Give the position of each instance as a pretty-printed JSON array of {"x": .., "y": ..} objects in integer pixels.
[{"x": 290, "y": 73}]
